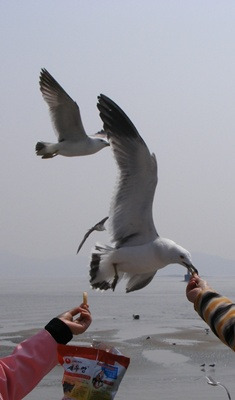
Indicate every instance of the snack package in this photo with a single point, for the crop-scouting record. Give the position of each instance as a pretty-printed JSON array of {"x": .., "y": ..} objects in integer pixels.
[{"x": 91, "y": 373}]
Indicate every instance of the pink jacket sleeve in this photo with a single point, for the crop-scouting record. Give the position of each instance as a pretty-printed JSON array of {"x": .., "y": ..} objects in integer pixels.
[{"x": 27, "y": 365}]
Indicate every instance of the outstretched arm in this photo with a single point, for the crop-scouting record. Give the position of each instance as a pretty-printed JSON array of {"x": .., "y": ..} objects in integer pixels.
[
  {"x": 216, "y": 310},
  {"x": 35, "y": 357}
]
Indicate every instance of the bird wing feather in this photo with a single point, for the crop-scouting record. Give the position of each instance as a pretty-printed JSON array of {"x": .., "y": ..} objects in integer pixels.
[
  {"x": 130, "y": 217},
  {"x": 97, "y": 227},
  {"x": 65, "y": 113},
  {"x": 137, "y": 282}
]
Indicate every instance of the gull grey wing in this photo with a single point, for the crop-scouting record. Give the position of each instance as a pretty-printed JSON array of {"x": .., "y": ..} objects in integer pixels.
[
  {"x": 131, "y": 221},
  {"x": 137, "y": 282},
  {"x": 97, "y": 227},
  {"x": 65, "y": 113}
]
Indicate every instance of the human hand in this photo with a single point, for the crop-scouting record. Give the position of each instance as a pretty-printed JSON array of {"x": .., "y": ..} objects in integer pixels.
[
  {"x": 195, "y": 286},
  {"x": 79, "y": 324}
]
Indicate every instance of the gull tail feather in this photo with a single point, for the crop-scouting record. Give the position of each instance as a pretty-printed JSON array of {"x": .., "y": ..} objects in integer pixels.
[
  {"x": 46, "y": 150},
  {"x": 103, "y": 275}
]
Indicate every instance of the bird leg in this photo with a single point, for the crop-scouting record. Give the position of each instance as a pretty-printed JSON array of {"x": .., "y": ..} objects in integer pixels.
[
  {"x": 116, "y": 277},
  {"x": 50, "y": 155}
]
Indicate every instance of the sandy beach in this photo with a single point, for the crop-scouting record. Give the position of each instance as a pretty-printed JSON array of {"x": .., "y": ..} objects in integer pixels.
[{"x": 165, "y": 365}]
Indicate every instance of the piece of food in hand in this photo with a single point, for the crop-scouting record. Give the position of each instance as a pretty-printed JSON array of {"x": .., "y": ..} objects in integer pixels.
[{"x": 84, "y": 297}]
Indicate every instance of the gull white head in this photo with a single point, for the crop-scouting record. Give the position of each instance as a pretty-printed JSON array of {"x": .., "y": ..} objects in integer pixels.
[{"x": 181, "y": 256}]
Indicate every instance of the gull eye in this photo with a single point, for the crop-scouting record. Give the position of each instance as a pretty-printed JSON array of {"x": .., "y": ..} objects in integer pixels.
[{"x": 182, "y": 257}]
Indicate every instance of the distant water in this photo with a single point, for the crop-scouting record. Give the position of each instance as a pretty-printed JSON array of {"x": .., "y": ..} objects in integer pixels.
[{"x": 29, "y": 303}]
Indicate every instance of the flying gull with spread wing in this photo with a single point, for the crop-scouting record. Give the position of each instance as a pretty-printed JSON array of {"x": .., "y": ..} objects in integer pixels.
[
  {"x": 100, "y": 226},
  {"x": 137, "y": 250},
  {"x": 65, "y": 114}
]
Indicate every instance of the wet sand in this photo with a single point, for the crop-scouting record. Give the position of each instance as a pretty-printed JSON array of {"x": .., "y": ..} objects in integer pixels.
[{"x": 165, "y": 365}]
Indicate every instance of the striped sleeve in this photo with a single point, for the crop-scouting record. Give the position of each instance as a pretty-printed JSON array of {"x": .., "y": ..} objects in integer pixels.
[{"x": 219, "y": 313}]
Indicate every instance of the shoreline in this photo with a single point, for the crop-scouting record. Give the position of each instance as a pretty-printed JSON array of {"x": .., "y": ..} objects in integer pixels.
[{"x": 182, "y": 341}]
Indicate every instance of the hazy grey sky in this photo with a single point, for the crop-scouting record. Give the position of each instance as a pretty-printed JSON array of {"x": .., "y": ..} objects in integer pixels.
[{"x": 170, "y": 65}]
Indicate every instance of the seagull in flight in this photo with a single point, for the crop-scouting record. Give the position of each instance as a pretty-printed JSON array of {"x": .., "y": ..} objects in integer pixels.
[
  {"x": 97, "y": 227},
  {"x": 213, "y": 382},
  {"x": 72, "y": 138},
  {"x": 137, "y": 250}
]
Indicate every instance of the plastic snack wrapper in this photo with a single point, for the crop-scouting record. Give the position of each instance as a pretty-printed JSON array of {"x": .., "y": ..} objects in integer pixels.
[{"x": 91, "y": 373}]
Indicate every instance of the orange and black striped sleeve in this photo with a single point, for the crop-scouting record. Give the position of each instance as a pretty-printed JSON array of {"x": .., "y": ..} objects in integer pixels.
[{"x": 219, "y": 313}]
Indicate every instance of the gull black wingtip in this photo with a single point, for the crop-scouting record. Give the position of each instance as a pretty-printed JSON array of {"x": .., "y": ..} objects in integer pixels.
[{"x": 115, "y": 119}]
